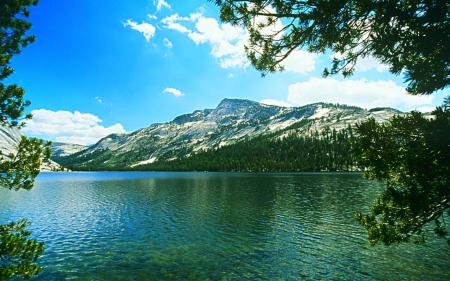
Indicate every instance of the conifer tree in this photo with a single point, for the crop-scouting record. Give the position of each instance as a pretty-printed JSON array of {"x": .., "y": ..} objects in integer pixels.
[
  {"x": 412, "y": 38},
  {"x": 18, "y": 252}
]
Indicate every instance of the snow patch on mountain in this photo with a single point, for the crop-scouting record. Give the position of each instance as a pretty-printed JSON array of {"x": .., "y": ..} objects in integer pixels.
[{"x": 149, "y": 161}]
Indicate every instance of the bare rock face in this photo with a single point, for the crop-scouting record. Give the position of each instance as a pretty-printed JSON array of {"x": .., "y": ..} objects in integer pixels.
[
  {"x": 231, "y": 121},
  {"x": 9, "y": 139}
]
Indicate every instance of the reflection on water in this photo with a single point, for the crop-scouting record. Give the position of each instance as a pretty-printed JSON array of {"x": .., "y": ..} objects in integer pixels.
[{"x": 212, "y": 226}]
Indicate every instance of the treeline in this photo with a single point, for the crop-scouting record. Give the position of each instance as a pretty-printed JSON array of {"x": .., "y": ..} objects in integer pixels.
[{"x": 329, "y": 150}]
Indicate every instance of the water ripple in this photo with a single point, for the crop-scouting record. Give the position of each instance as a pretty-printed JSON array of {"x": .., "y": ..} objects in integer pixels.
[{"x": 212, "y": 226}]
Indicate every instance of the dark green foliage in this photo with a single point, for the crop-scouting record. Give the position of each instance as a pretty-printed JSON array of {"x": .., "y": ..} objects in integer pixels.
[
  {"x": 13, "y": 27},
  {"x": 18, "y": 253},
  {"x": 410, "y": 36},
  {"x": 325, "y": 151},
  {"x": 19, "y": 170},
  {"x": 12, "y": 105},
  {"x": 412, "y": 154}
]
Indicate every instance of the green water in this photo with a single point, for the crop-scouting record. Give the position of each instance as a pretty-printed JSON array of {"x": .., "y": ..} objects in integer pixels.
[{"x": 212, "y": 226}]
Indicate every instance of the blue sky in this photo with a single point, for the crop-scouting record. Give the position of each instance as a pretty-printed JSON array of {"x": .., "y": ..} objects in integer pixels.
[{"x": 101, "y": 67}]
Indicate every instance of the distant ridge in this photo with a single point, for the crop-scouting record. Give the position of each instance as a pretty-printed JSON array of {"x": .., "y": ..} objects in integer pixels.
[{"x": 232, "y": 121}]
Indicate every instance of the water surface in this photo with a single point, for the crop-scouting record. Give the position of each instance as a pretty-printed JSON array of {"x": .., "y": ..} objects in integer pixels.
[{"x": 212, "y": 226}]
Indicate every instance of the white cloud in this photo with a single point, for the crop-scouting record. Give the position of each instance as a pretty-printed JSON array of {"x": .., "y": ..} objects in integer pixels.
[
  {"x": 153, "y": 17},
  {"x": 146, "y": 29},
  {"x": 368, "y": 63},
  {"x": 425, "y": 109},
  {"x": 363, "y": 93},
  {"x": 365, "y": 64},
  {"x": 65, "y": 126},
  {"x": 300, "y": 61},
  {"x": 167, "y": 43},
  {"x": 171, "y": 23},
  {"x": 98, "y": 99},
  {"x": 175, "y": 92},
  {"x": 228, "y": 42},
  {"x": 276, "y": 102},
  {"x": 161, "y": 3},
  {"x": 230, "y": 75}
]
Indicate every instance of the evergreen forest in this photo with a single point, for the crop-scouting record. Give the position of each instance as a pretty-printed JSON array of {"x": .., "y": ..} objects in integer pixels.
[{"x": 328, "y": 150}]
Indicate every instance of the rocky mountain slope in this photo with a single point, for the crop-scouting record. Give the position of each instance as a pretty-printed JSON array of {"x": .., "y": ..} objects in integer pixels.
[
  {"x": 9, "y": 141},
  {"x": 65, "y": 149},
  {"x": 231, "y": 121}
]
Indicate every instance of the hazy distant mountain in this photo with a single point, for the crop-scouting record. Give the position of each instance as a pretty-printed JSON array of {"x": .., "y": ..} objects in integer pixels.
[{"x": 231, "y": 121}]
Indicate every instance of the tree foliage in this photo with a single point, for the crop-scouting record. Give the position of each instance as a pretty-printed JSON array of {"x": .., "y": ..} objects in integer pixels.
[
  {"x": 409, "y": 36},
  {"x": 19, "y": 169},
  {"x": 412, "y": 37},
  {"x": 18, "y": 252},
  {"x": 412, "y": 154},
  {"x": 13, "y": 26}
]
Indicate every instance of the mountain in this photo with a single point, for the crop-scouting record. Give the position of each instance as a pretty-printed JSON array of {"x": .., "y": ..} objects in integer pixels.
[
  {"x": 9, "y": 141},
  {"x": 232, "y": 121},
  {"x": 65, "y": 149}
]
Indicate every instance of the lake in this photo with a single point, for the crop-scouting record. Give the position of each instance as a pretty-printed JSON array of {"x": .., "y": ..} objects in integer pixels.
[{"x": 213, "y": 226}]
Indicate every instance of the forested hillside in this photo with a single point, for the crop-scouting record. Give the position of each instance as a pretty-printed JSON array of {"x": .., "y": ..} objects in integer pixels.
[
  {"x": 328, "y": 150},
  {"x": 238, "y": 135}
]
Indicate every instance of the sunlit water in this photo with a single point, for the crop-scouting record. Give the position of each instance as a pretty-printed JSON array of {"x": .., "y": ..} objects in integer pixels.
[{"x": 212, "y": 226}]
